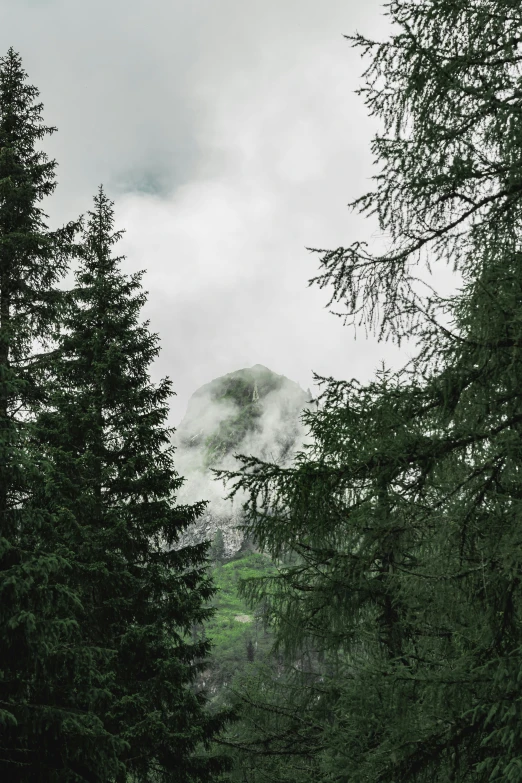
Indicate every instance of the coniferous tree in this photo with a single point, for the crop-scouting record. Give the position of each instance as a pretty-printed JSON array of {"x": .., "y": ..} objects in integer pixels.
[
  {"x": 103, "y": 431},
  {"x": 43, "y": 667},
  {"x": 217, "y": 550},
  {"x": 406, "y": 516}
]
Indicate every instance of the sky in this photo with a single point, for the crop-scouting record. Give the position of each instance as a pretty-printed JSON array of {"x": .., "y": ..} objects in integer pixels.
[{"x": 230, "y": 138}]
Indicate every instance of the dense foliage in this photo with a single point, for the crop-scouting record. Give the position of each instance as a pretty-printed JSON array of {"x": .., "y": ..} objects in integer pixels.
[
  {"x": 103, "y": 431},
  {"x": 97, "y": 675},
  {"x": 239, "y": 633},
  {"x": 403, "y": 518},
  {"x": 39, "y": 613},
  {"x": 382, "y": 640}
]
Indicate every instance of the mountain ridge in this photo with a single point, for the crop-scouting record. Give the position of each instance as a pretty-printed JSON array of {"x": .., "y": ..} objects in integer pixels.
[{"x": 251, "y": 411}]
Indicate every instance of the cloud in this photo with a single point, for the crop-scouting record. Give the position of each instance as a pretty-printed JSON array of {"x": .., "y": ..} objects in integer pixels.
[
  {"x": 279, "y": 434},
  {"x": 230, "y": 138}
]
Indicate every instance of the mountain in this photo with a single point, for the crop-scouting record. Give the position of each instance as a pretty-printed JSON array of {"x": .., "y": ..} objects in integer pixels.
[{"x": 252, "y": 411}]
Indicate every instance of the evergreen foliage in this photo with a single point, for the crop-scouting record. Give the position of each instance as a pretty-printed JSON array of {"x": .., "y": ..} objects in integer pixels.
[
  {"x": 103, "y": 432},
  {"x": 217, "y": 550},
  {"x": 282, "y": 731},
  {"x": 402, "y": 520},
  {"x": 43, "y": 669},
  {"x": 234, "y": 624}
]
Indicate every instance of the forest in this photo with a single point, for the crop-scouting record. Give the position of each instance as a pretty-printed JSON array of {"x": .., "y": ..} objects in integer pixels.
[{"x": 380, "y": 634}]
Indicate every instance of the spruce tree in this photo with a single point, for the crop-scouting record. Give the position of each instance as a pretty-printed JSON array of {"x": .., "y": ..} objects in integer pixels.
[
  {"x": 43, "y": 667},
  {"x": 103, "y": 430},
  {"x": 405, "y": 514},
  {"x": 217, "y": 550}
]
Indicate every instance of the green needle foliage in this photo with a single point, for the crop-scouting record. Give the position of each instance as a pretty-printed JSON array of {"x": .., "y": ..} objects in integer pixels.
[
  {"x": 403, "y": 521},
  {"x": 42, "y": 736},
  {"x": 217, "y": 550},
  {"x": 103, "y": 432}
]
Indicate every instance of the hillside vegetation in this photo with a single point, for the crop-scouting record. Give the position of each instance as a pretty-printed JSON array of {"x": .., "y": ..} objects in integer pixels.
[{"x": 237, "y": 631}]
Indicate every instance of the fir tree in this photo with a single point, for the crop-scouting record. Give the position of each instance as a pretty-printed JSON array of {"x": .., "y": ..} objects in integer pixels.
[
  {"x": 44, "y": 669},
  {"x": 103, "y": 431},
  {"x": 405, "y": 514},
  {"x": 217, "y": 550}
]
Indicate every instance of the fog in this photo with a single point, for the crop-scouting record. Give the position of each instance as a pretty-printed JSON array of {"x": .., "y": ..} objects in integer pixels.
[{"x": 280, "y": 433}]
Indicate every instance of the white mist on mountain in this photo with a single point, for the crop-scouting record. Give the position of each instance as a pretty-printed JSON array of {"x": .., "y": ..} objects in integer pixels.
[{"x": 276, "y": 436}]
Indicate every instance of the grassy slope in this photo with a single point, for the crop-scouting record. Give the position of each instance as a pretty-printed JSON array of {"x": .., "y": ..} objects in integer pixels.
[{"x": 231, "y": 636}]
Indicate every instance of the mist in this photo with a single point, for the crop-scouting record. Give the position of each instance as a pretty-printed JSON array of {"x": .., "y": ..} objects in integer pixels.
[{"x": 280, "y": 433}]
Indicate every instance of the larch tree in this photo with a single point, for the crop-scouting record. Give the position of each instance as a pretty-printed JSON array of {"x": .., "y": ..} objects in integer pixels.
[
  {"x": 43, "y": 667},
  {"x": 103, "y": 431},
  {"x": 335, "y": 605},
  {"x": 406, "y": 511}
]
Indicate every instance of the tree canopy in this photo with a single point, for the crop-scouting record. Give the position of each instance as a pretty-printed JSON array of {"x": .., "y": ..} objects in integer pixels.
[
  {"x": 38, "y": 607},
  {"x": 97, "y": 663},
  {"x": 402, "y": 519},
  {"x": 103, "y": 431}
]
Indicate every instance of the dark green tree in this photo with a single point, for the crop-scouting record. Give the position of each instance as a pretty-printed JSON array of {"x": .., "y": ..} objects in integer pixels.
[
  {"x": 217, "y": 550},
  {"x": 43, "y": 667},
  {"x": 281, "y": 733},
  {"x": 405, "y": 514},
  {"x": 333, "y": 605},
  {"x": 103, "y": 431}
]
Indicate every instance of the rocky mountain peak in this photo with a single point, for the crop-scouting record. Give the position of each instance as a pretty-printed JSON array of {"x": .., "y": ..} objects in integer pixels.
[{"x": 252, "y": 411}]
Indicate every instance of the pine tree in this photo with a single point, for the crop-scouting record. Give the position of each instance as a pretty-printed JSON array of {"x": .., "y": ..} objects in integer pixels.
[
  {"x": 103, "y": 431},
  {"x": 405, "y": 515},
  {"x": 43, "y": 736},
  {"x": 217, "y": 550}
]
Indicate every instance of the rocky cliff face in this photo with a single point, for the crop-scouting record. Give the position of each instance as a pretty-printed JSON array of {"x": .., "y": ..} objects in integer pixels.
[{"x": 251, "y": 411}]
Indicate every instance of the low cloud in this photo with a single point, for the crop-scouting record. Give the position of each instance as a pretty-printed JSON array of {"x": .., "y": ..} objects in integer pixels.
[{"x": 280, "y": 433}]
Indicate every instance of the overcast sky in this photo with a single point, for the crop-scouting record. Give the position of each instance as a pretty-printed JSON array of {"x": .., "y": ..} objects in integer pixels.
[{"x": 230, "y": 138}]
